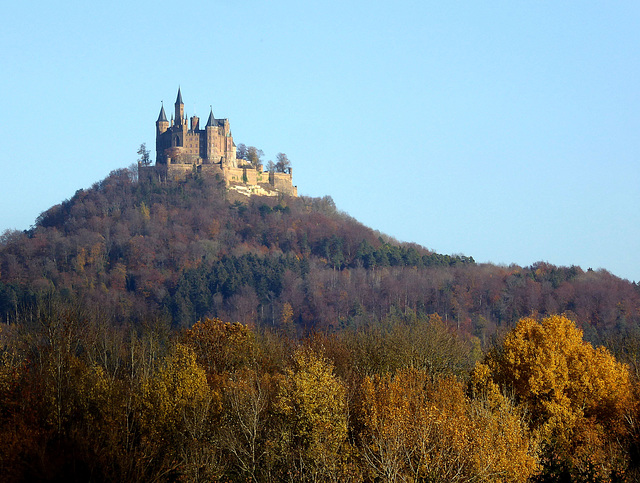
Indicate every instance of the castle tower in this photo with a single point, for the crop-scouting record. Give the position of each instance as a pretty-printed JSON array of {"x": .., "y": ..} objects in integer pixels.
[
  {"x": 179, "y": 109},
  {"x": 211, "y": 151},
  {"x": 211, "y": 120},
  {"x": 162, "y": 124}
]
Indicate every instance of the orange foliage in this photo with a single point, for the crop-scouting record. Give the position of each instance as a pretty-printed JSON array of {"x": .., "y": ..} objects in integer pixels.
[
  {"x": 577, "y": 395},
  {"x": 416, "y": 429}
]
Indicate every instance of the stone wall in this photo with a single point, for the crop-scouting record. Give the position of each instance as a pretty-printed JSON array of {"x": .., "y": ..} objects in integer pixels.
[{"x": 281, "y": 182}]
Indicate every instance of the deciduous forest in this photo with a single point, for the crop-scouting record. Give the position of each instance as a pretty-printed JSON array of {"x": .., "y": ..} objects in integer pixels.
[{"x": 165, "y": 332}]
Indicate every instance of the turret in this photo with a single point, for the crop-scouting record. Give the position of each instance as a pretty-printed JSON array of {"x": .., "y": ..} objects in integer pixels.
[
  {"x": 211, "y": 121},
  {"x": 210, "y": 133},
  {"x": 179, "y": 117},
  {"x": 195, "y": 123},
  {"x": 162, "y": 124}
]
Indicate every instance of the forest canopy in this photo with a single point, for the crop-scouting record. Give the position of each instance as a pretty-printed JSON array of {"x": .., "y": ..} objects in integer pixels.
[{"x": 174, "y": 331}]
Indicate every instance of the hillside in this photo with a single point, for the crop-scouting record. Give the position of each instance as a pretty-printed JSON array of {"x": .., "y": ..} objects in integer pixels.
[
  {"x": 175, "y": 332},
  {"x": 183, "y": 251}
]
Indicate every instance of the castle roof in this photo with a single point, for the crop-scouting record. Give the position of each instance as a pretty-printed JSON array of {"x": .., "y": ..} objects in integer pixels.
[
  {"x": 179, "y": 98},
  {"x": 212, "y": 120},
  {"x": 162, "y": 117}
]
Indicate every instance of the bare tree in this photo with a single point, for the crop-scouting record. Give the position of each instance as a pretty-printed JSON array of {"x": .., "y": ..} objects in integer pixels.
[
  {"x": 241, "y": 151},
  {"x": 271, "y": 166},
  {"x": 254, "y": 156},
  {"x": 283, "y": 165}
]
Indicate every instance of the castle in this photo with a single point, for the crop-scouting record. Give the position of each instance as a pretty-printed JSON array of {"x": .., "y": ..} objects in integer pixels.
[{"x": 183, "y": 149}]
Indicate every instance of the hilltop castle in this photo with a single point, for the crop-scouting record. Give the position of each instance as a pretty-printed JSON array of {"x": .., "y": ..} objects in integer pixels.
[{"x": 182, "y": 148}]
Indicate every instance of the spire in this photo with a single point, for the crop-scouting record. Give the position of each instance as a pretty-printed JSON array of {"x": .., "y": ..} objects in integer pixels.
[
  {"x": 212, "y": 119},
  {"x": 179, "y": 109},
  {"x": 162, "y": 117}
]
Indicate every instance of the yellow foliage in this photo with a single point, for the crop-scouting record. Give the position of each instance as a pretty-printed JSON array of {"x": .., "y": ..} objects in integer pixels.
[
  {"x": 577, "y": 396},
  {"x": 417, "y": 429},
  {"x": 220, "y": 346},
  {"x": 177, "y": 391},
  {"x": 80, "y": 260},
  {"x": 11, "y": 365},
  {"x": 561, "y": 378},
  {"x": 287, "y": 314},
  {"x": 144, "y": 211},
  {"x": 93, "y": 394},
  {"x": 313, "y": 402}
]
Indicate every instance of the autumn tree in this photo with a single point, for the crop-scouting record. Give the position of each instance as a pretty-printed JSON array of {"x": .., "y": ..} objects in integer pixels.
[
  {"x": 577, "y": 395},
  {"x": 249, "y": 428},
  {"x": 313, "y": 403},
  {"x": 416, "y": 428},
  {"x": 419, "y": 342},
  {"x": 177, "y": 405},
  {"x": 286, "y": 321},
  {"x": 254, "y": 156},
  {"x": 18, "y": 434},
  {"x": 271, "y": 166},
  {"x": 220, "y": 346},
  {"x": 241, "y": 151}
]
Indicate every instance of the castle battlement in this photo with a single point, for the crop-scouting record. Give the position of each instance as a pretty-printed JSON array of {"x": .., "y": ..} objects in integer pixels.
[{"x": 182, "y": 149}]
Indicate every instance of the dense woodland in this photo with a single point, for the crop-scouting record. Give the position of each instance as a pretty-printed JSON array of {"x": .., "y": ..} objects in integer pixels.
[{"x": 156, "y": 332}]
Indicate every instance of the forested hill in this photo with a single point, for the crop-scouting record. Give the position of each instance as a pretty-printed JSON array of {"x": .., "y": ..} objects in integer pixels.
[
  {"x": 183, "y": 251},
  {"x": 171, "y": 332}
]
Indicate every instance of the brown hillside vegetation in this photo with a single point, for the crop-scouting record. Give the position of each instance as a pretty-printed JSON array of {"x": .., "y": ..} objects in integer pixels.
[
  {"x": 182, "y": 252},
  {"x": 160, "y": 332}
]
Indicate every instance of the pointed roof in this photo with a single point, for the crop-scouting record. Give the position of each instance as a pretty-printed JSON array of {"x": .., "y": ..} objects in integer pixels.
[
  {"x": 179, "y": 98},
  {"x": 212, "y": 120},
  {"x": 162, "y": 117}
]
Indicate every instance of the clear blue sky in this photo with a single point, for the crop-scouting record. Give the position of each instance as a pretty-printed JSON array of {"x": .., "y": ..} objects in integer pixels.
[{"x": 506, "y": 130}]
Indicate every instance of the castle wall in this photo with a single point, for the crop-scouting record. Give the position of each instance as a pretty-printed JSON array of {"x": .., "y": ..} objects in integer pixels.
[
  {"x": 283, "y": 182},
  {"x": 192, "y": 143},
  {"x": 148, "y": 174},
  {"x": 176, "y": 172},
  {"x": 234, "y": 175}
]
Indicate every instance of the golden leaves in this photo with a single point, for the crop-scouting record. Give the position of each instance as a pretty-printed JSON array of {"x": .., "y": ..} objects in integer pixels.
[
  {"x": 560, "y": 377},
  {"x": 577, "y": 395},
  {"x": 179, "y": 386},
  {"x": 220, "y": 346},
  {"x": 417, "y": 428},
  {"x": 313, "y": 401}
]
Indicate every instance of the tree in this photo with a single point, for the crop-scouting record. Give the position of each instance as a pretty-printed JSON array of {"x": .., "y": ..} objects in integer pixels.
[
  {"x": 254, "y": 156},
  {"x": 247, "y": 401},
  {"x": 313, "y": 402},
  {"x": 283, "y": 165},
  {"x": 241, "y": 151},
  {"x": 220, "y": 346},
  {"x": 419, "y": 428},
  {"x": 286, "y": 319},
  {"x": 145, "y": 155},
  {"x": 271, "y": 166},
  {"x": 176, "y": 409},
  {"x": 577, "y": 395}
]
